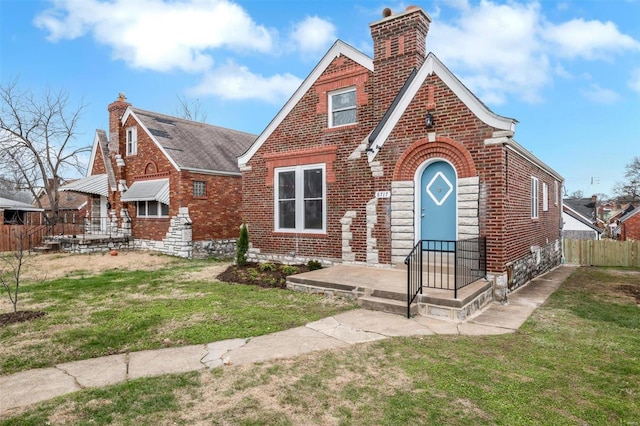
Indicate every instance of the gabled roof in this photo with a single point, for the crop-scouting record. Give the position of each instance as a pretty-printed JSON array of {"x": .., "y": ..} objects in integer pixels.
[
  {"x": 191, "y": 145},
  {"x": 339, "y": 48},
  {"x": 582, "y": 206},
  {"x": 432, "y": 65},
  {"x": 100, "y": 142},
  {"x": 630, "y": 214},
  {"x": 7, "y": 204},
  {"x": 574, "y": 214}
]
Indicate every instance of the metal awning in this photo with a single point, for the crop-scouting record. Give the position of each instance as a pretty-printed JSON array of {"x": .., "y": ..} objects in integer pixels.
[
  {"x": 148, "y": 190},
  {"x": 92, "y": 185}
]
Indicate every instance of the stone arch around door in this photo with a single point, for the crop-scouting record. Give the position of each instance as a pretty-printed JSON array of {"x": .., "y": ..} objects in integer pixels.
[{"x": 405, "y": 199}]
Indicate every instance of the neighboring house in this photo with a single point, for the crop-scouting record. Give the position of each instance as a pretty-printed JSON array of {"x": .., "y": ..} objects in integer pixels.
[
  {"x": 369, "y": 156},
  {"x": 629, "y": 226},
  {"x": 72, "y": 206},
  {"x": 576, "y": 226},
  {"x": 171, "y": 184},
  {"x": 15, "y": 212}
]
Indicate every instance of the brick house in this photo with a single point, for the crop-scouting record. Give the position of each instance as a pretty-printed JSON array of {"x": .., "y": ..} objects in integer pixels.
[
  {"x": 630, "y": 226},
  {"x": 171, "y": 184},
  {"x": 370, "y": 156}
]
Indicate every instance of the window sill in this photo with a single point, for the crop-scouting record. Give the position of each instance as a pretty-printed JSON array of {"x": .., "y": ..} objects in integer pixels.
[
  {"x": 318, "y": 234},
  {"x": 338, "y": 128}
]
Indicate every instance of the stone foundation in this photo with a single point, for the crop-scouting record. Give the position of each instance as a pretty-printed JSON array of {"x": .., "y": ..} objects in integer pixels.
[
  {"x": 222, "y": 249},
  {"x": 540, "y": 260}
]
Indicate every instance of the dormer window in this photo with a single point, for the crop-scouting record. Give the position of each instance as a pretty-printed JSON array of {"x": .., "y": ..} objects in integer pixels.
[
  {"x": 342, "y": 107},
  {"x": 132, "y": 140}
]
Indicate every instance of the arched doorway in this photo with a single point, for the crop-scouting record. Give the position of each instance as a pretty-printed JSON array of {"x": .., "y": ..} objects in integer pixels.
[{"x": 438, "y": 202}]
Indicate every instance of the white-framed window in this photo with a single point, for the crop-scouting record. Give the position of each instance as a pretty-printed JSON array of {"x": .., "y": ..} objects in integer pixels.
[
  {"x": 342, "y": 107},
  {"x": 545, "y": 197},
  {"x": 132, "y": 140},
  {"x": 555, "y": 192},
  {"x": 199, "y": 188},
  {"x": 300, "y": 199},
  {"x": 151, "y": 209},
  {"x": 534, "y": 197}
]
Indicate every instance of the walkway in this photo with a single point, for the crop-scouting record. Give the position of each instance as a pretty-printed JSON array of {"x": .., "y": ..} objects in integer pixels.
[{"x": 358, "y": 326}]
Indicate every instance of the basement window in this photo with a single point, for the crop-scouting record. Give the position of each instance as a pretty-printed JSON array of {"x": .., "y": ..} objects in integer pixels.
[{"x": 342, "y": 107}]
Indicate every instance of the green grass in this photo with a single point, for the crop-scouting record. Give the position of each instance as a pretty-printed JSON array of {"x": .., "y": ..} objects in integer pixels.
[
  {"x": 123, "y": 311},
  {"x": 576, "y": 361}
]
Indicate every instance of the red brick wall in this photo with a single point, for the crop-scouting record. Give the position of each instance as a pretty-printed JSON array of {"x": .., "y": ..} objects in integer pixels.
[
  {"x": 504, "y": 205},
  {"x": 630, "y": 229},
  {"x": 216, "y": 216},
  {"x": 305, "y": 129}
]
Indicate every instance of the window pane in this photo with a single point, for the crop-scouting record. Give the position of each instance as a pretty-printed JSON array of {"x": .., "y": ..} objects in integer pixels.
[
  {"x": 287, "y": 185},
  {"x": 344, "y": 100},
  {"x": 164, "y": 209},
  {"x": 344, "y": 117},
  {"x": 142, "y": 208},
  {"x": 313, "y": 183},
  {"x": 313, "y": 214},
  {"x": 287, "y": 216},
  {"x": 153, "y": 208}
]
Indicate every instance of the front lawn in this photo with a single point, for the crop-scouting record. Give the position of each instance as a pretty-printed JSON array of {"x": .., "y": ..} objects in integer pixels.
[
  {"x": 576, "y": 361},
  {"x": 180, "y": 303}
]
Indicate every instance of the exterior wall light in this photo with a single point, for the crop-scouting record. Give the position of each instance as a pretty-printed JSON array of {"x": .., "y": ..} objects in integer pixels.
[{"x": 428, "y": 120}]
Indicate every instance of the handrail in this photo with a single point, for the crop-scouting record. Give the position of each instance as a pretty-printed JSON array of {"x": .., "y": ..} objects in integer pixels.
[
  {"x": 414, "y": 275},
  {"x": 450, "y": 265}
]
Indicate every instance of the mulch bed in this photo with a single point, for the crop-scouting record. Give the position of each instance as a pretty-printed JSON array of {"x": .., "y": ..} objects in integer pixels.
[
  {"x": 20, "y": 316},
  {"x": 261, "y": 274}
]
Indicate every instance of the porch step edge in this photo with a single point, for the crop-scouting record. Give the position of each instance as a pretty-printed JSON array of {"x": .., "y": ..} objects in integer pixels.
[{"x": 387, "y": 305}]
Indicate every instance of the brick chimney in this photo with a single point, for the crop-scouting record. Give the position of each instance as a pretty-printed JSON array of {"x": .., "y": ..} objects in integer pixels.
[
  {"x": 399, "y": 46},
  {"x": 116, "y": 111}
]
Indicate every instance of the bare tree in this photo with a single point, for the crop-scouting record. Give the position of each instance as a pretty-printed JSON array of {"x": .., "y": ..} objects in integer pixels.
[
  {"x": 37, "y": 136},
  {"x": 577, "y": 194},
  {"x": 630, "y": 190},
  {"x": 11, "y": 269},
  {"x": 191, "y": 110}
]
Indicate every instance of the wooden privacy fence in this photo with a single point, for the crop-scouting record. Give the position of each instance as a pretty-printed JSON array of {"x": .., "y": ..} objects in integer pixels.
[
  {"x": 602, "y": 252},
  {"x": 10, "y": 236}
]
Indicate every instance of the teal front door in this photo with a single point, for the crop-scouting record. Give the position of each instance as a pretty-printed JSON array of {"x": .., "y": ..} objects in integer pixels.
[{"x": 438, "y": 204}]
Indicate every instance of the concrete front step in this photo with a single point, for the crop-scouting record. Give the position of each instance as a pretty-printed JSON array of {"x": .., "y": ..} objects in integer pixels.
[{"x": 387, "y": 305}]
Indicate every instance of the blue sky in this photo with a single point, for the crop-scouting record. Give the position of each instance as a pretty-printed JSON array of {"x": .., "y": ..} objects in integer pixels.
[{"x": 568, "y": 71}]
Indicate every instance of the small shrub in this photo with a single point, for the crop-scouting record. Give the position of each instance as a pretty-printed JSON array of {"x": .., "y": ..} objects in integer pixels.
[
  {"x": 314, "y": 264},
  {"x": 253, "y": 274},
  {"x": 289, "y": 269},
  {"x": 243, "y": 246},
  {"x": 268, "y": 266}
]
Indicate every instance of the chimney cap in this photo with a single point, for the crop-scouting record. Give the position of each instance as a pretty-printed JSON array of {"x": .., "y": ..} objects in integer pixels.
[{"x": 122, "y": 97}]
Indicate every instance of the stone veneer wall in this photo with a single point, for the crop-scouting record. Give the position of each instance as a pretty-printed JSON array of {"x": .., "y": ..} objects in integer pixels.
[
  {"x": 402, "y": 215},
  {"x": 523, "y": 270},
  {"x": 178, "y": 240},
  {"x": 223, "y": 249},
  {"x": 255, "y": 255}
]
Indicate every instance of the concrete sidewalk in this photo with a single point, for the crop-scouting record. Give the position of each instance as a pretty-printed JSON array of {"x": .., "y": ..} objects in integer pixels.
[{"x": 29, "y": 387}]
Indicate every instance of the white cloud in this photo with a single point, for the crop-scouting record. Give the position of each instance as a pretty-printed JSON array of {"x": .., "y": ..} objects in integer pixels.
[
  {"x": 634, "y": 81},
  {"x": 313, "y": 35},
  {"x": 236, "y": 82},
  {"x": 588, "y": 39},
  {"x": 600, "y": 95},
  {"x": 158, "y": 35},
  {"x": 494, "y": 49},
  {"x": 503, "y": 50}
]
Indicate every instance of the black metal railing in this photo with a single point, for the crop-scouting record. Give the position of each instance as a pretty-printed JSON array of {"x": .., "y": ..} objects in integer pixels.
[
  {"x": 446, "y": 265},
  {"x": 96, "y": 226}
]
